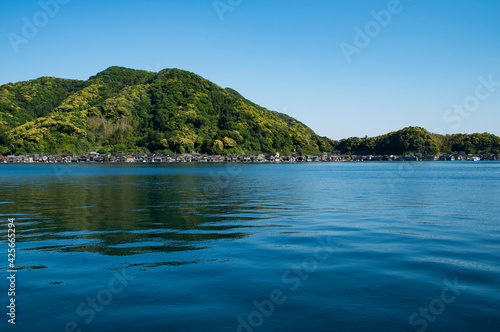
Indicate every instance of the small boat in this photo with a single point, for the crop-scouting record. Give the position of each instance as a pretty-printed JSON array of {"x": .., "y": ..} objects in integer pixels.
[{"x": 475, "y": 159}]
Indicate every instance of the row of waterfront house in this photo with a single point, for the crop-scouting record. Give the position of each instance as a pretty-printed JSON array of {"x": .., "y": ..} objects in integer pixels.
[{"x": 275, "y": 157}]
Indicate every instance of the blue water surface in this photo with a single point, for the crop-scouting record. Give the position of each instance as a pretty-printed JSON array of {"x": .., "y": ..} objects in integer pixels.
[{"x": 382, "y": 246}]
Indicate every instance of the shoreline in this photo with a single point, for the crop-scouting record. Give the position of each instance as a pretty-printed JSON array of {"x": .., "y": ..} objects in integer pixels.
[{"x": 256, "y": 159}]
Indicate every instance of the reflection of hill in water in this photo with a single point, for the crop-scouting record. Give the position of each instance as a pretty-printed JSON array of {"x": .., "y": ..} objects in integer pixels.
[{"x": 163, "y": 209}]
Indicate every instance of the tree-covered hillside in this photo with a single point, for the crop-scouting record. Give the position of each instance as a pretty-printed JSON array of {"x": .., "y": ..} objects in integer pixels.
[
  {"x": 25, "y": 101},
  {"x": 175, "y": 111},
  {"x": 131, "y": 110},
  {"x": 419, "y": 140}
]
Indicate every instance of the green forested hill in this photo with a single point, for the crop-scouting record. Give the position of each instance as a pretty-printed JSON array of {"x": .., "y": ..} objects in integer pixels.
[
  {"x": 419, "y": 140},
  {"x": 131, "y": 110},
  {"x": 178, "y": 111},
  {"x": 25, "y": 101}
]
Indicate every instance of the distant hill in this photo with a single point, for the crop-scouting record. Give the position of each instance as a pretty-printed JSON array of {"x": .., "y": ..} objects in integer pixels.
[
  {"x": 132, "y": 110},
  {"x": 175, "y": 111},
  {"x": 419, "y": 140}
]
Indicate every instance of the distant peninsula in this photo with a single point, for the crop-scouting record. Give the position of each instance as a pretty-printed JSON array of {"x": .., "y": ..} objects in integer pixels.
[{"x": 178, "y": 112}]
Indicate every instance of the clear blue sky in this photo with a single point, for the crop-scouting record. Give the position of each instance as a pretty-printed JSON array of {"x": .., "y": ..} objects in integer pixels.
[{"x": 284, "y": 55}]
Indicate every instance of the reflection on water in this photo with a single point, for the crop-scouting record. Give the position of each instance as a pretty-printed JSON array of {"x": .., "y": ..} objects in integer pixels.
[
  {"x": 125, "y": 214},
  {"x": 204, "y": 242}
]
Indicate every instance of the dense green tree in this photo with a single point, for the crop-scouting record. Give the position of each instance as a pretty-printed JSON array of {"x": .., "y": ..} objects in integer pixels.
[{"x": 173, "y": 110}]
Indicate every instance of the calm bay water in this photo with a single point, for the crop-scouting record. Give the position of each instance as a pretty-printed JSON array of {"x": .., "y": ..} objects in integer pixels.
[{"x": 268, "y": 247}]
